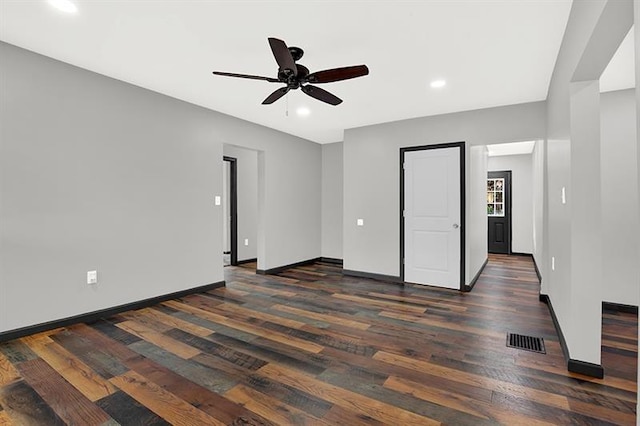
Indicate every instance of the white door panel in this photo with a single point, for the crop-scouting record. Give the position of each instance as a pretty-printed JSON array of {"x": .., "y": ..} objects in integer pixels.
[
  {"x": 430, "y": 250},
  {"x": 432, "y": 217}
]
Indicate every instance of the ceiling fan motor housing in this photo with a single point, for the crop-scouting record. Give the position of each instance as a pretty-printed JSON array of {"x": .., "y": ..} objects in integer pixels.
[{"x": 296, "y": 52}]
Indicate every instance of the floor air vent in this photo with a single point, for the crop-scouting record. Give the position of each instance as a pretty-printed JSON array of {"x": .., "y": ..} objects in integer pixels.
[{"x": 528, "y": 343}]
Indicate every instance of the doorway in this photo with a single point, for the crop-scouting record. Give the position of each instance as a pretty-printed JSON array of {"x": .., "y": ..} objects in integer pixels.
[
  {"x": 230, "y": 211},
  {"x": 499, "y": 211},
  {"x": 244, "y": 215},
  {"x": 432, "y": 212}
]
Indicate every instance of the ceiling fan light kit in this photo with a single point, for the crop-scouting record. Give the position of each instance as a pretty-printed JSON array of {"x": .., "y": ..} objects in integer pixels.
[{"x": 297, "y": 76}]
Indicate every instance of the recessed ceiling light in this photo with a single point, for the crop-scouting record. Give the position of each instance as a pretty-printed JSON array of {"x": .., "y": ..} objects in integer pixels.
[
  {"x": 64, "y": 5},
  {"x": 303, "y": 111},
  {"x": 436, "y": 84}
]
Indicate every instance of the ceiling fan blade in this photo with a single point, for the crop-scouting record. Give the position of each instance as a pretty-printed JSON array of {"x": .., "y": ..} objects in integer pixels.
[
  {"x": 283, "y": 55},
  {"x": 321, "y": 95},
  {"x": 275, "y": 95},
  {"x": 252, "y": 77},
  {"x": 338, "y": 74}
]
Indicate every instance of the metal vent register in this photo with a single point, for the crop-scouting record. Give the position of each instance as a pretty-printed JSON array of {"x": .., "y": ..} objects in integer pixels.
[{"x": 528, "y": 343}]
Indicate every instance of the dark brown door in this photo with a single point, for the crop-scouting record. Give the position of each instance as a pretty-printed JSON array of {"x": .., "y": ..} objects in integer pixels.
[{"x": 499, "y": 211}]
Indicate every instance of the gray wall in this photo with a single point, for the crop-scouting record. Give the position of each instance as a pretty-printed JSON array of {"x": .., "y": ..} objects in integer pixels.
[
  {"x": 619, "y": 197},
  {"x": 538, "y": 181},
  {"x": 372, "y": 177},
  {"x": 521, "y": 167},
  {"x": 476, "y": 215},
  {"x": 99, "y": 174},
  {"x": 247, "y": 169},
  {"x": 332, "y": 181}
]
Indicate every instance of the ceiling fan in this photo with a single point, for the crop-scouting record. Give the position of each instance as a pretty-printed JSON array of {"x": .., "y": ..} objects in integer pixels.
[{"x": 297, "y": 76}]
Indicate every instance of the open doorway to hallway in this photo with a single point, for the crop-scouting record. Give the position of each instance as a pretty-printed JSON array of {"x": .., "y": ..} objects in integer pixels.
[
  {"x": 230, "y": 211},
  {"x": 514, "y": 203},
  {"x": 240, "y": 206}
]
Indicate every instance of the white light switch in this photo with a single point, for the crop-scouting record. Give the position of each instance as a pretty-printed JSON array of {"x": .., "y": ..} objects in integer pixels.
[
  {"x": 92, "y": 277},
  {"x": 218, "y": 200},
  {"x": 360, "y": 222},
  {"x": 553, "y": 263},
  {"x": 246, "y": 241},
  {"x": 564, "y": 196}
]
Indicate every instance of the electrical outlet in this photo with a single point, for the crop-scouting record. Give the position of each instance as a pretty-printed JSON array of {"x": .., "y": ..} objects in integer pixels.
[
  {"x": 92, "y": 277},
  {"x": 564, "y": 196},
  {"x": 218, "y": 200},
  {"x": 246, "y": 241},
  {"x": 360, "y": 222}
]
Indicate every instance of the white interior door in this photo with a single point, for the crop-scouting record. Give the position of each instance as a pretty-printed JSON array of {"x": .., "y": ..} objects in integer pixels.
[{"x": 432, "y": 217}]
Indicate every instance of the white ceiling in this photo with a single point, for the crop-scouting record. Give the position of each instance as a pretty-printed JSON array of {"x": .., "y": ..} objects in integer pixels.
[{"x": 490, "y": 52}]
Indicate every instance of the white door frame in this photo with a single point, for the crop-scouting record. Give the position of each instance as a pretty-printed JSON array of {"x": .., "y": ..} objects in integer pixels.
[{"x": 461, "y": 146}]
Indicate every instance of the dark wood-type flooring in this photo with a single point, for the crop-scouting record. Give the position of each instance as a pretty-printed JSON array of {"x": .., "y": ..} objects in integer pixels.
[{"x": 311, "y": 346}]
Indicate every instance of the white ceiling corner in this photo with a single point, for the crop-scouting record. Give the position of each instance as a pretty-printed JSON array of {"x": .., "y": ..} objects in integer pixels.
[{"x": 620, "y": 73}]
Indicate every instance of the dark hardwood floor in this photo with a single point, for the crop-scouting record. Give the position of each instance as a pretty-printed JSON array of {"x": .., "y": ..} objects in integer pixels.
[{"x": 311, "y": 346}]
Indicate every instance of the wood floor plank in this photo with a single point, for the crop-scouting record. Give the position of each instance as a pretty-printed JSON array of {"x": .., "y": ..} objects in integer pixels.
[
  {"x": 442, "y": 324},
  {"x": 342, "y": 416},
  {"x": 166, "y": 405},
  {"x": 476, "y": 408},
  {"x": 291, "y": 396},
  {"x": 352, "y": 401},
  {"x": 98, "y": 358},
  {"x": 237, "y": 358},
  {"x": 472, "y": 379},
  {"x": 159, "y": 339},
  {"x": 16, "y": 351},
  {"x": 602, "y": 413},
  {"x": 382, "y": 304},
  {"x": 4, "y": 419},
  {"x": 268, "y": 350},
  {"x": 178, "y": 323},
  {"x": 110, "y": 330},
  {"x": 25, "y": 407},
  {"x": 248, "y": 328},
  {"x": 71, "y": 368},
  {"x": 212, "y": 378},
  {"x": 8, "y": 372},
  {"x": 269, "y": 407},
  {"x": 147, "y": 321},
  {"x": 204, "y": 399},
  {"x": 127, "y": 411},
  {"x": 420, "y": 301},
  {"x": 437, "y": 396},
  {"x": 252, "y": 289},
  {"x": 68, "y": 403},
  {"x": 323, "y": 317},
  {"x": 249, "y": 313}
]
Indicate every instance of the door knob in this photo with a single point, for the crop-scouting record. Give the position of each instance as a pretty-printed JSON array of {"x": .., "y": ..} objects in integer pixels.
[{"x": 456, "y": 226}]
